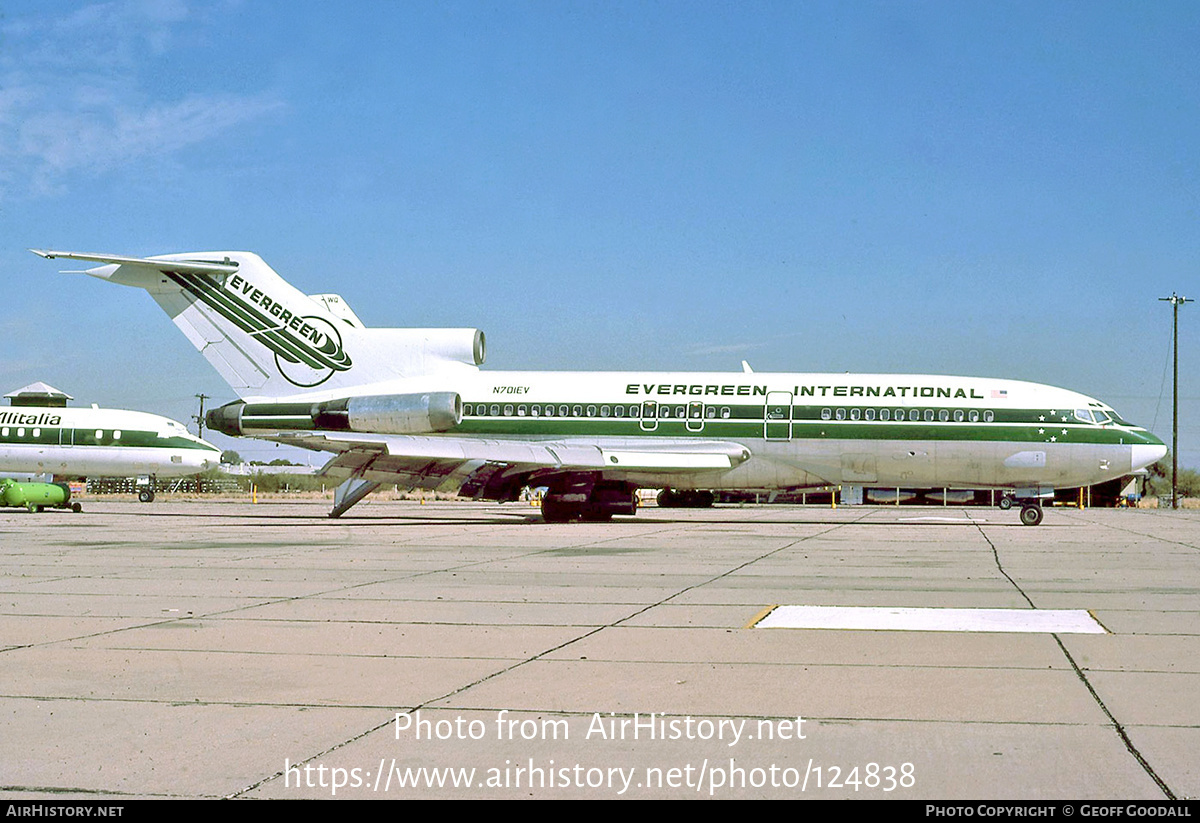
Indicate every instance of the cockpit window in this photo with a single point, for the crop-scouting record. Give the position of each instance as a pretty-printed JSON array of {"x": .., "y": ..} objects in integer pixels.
[
  {"x": 1101, "y": 417},
  {"x": 1083, "y": 415}
]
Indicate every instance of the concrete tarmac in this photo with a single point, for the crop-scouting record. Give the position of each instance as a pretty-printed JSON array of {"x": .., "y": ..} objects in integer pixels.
[{"x": 210, "y": 650}]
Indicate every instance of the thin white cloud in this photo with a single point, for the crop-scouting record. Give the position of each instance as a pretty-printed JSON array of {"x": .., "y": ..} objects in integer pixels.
[
  {"x": 75, "y": 98},
  {"x": 731, "y": 348}
]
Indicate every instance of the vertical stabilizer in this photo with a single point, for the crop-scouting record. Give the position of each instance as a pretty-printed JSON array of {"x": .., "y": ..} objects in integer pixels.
[{"x": 268, "y": 339}]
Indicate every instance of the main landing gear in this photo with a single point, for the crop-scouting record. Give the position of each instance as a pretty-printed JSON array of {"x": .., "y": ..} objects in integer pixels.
[
  {"x": 587, "y": 501},
  {"x": 686, "y": 499},
  {"x": 145, "y": 488}
]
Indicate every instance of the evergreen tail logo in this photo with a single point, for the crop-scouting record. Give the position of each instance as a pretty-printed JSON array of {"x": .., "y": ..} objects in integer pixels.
[{"x": 308, "y": 349}]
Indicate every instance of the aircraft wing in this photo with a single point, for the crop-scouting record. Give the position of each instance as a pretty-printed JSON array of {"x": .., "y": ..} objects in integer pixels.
[{"x": 483, "y": 465}]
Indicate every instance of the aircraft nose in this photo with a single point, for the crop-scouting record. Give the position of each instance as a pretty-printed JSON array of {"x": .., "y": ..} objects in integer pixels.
[{"x": 1143, "y": 456}]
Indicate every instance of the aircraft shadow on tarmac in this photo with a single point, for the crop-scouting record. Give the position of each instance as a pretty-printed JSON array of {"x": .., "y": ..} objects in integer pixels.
[{"x": 531, "y": 518}]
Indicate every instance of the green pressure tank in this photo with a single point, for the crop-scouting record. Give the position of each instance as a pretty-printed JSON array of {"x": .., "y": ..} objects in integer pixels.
[{"x": 36, "y": 496}]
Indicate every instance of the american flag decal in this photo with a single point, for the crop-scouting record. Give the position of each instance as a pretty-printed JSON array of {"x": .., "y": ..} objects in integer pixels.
[{"x": 996, "y": 393}]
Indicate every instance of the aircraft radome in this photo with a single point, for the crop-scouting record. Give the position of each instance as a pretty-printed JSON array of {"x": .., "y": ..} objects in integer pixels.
[
  {"x": 412, "y": 407},
  {"x": 41, "y": 435}
]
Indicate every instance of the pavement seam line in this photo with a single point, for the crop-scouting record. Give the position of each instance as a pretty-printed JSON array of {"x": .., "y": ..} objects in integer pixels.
[
  {"x": 1117, "y": 727},
  {"x": 537, "y": 656}
]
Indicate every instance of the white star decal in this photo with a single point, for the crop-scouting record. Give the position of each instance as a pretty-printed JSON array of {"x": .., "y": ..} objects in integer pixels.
[
  {"x": 1041, "y": 418},
  {"x": 1053, "y": 439},
  {"x": 1064, "y": 431},
  {"x": 1041, "y": 431}
]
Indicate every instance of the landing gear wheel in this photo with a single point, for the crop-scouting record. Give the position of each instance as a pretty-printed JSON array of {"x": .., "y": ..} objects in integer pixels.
[
  {"x": 75, "y": 507},
  {"x": 555, "y": 512},
  {"x": 1031, "y": 515},
  {"x": 146, "y": 496},
  {"x": 1006, "y": 503}
]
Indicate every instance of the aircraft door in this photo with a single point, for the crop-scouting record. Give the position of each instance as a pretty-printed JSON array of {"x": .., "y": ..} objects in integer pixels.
[
  {"x": 777, "y": 416},
  {"x": 66, "y": 437},
  {"x": 649, "y": 415}
]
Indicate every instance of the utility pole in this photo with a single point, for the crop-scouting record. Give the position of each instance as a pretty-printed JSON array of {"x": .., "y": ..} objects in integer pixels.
[
  {"x": 1176, "y": 301},
  {"x": 199, "y": 418}
]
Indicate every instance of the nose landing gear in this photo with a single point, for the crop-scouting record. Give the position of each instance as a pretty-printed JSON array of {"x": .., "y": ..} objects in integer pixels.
[
  {"x": 1030, "y": 501},
  {"x": 1031, "y": 514}
]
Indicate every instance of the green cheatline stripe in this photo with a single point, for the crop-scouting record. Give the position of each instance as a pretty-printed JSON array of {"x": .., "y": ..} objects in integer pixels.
[
  {"x": 245, "y": 318},
  {"x": 84, "y": 438},
  {"x": 824, "y": 430},
  {"x": 801, "y": 414},
  {"x": 261, "y": 326}
]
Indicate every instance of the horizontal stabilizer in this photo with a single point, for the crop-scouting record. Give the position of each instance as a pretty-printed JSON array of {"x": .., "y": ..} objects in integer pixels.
[{"x": 225, "y": 266}]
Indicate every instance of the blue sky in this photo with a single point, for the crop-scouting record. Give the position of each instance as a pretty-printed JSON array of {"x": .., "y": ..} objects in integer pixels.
[{"x": 996, "y": 189}]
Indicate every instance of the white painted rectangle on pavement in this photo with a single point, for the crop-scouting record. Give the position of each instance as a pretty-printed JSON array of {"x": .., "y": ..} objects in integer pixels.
[{"x": 1064, "y": 621}]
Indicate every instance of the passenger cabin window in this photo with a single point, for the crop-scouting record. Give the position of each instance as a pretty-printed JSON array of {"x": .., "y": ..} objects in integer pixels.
[
  {"x": 988, "y": 416},
  {"x": 826, "y": 414},
  {"x": 974, "y": 416}
]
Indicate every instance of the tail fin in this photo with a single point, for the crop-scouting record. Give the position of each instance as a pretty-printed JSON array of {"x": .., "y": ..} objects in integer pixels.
[{"x": 268, "y": 339}]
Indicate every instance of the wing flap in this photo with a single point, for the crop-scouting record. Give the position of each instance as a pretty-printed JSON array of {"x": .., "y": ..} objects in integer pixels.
[{"x": 429, "y": 462}]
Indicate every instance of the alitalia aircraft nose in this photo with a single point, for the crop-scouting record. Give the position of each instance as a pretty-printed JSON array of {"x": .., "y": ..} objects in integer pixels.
[{"x": 1143, "y": 456}]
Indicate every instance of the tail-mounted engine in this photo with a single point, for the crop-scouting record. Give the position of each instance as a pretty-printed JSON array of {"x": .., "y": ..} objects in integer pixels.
[{"x": 420, "y": 413}]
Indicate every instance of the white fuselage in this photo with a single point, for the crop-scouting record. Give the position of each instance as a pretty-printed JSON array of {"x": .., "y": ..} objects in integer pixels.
[
  {"x": 99, "y": 443},
  {"x": 809, "y": 429}
]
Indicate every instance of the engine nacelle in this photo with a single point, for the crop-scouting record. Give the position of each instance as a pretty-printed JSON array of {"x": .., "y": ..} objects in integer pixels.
[
  {"x": 421, "y": 413},
  {"x": 423, "y": 351}
]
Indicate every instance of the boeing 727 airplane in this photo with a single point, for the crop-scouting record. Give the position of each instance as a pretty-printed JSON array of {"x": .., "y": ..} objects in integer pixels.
[
  {"x": 412, "y": 407},
  {"x": 39, "y": 434}
]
